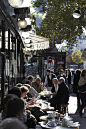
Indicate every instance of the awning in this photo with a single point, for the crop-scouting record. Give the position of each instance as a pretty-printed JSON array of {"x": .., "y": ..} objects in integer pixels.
[{"x": 37, "y": 42}]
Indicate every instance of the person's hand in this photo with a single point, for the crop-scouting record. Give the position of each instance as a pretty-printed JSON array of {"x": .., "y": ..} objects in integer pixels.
[
  {"x": 41, "y": 87},
  {"x": 33, "y": 117},
  {"x": 54, "y": 93},
  {"x": 29, "y": 107}
]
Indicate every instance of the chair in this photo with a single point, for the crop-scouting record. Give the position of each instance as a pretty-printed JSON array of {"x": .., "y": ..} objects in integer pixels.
[{"x": 64, "y": 108}]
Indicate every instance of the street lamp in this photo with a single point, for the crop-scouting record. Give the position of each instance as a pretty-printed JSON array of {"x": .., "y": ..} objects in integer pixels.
[
  {"x": 15, "y": 3},
  {"x": 77, "y": 13},
  {"x": 22, "y": 23}
]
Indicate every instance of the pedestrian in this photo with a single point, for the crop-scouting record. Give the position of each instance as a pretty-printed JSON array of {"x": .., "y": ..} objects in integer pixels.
[
  {"x": 82, "y": 91},
  {"x": 69, "y": 79},
  {"x": 61, "y": 74},
  {"x": 75, "y": 86},
  {"x": 48, "y": 79}
]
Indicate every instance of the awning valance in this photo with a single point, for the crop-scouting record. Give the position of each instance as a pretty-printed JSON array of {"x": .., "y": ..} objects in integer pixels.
[{"x": 37, "y": 42}]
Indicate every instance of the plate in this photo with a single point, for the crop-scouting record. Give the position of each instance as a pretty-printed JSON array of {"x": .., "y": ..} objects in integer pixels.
[
  {"x": 44, "y": 125},
  {"x": 49, "y": 112},
  {"x": 52, "y": 124}
]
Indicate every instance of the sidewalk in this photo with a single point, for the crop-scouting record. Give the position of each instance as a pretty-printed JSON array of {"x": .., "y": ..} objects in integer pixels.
[{"x": 72, "y": 109}]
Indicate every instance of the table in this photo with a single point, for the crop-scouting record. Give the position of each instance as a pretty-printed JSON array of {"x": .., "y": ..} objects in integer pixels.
[
  {"x": 46, "y": 120},
  {"x": 47, "y": 109},
  {"x": 43, "y": 125},
  {"x": 46, "y": 93}
]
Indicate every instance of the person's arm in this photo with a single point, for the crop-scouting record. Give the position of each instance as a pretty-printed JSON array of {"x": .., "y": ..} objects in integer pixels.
[
  {"x": 41, "y": 87},
  {"x": 45, "y": 83},
  {"x": 53, "y": 89}
]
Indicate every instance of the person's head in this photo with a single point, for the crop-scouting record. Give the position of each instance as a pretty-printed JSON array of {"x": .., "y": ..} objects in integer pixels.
[
  {"x": 61, "y": 71},
  {"x": 28, "y": 86},
  {"x": 24, "y": 91},
  {"x": 52, "y": 71},
  {"x": 78, "y": 71},
  {"x": 19, "y": 84},
  {"x": 24, "y": 81},
  {"x": 16, "y": 91},
  {"x": 30, "y": 77},
  {"x": 61, "y": 80},
  {"x": 55, "y": 81},
  {"x": 29, "y": 82},
  {"x": 6, "y": 100},
  {"x": 15, "y": 108},
  {"x": 83, "y": 73},
  {"x": 12, "y": 123},
  {"x": 38, "y": 80},
  {"x": 68, "y": 71},
  {"x": 48, "y": 71}
]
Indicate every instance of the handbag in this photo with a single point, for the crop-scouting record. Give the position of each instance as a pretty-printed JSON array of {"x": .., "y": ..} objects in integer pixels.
[{"x": 82, "y": 88}]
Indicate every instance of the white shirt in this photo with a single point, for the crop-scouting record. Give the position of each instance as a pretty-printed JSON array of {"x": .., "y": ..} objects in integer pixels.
[
  {"x": 46, "y": 80},
  {"x": 56, "y": 88}
]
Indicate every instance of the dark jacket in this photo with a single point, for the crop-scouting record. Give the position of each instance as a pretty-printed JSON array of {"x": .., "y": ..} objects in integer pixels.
[
  {"x": 69, "y": 78},
  {"x": 63, "y": 93},
  {"x": 36, "y": 87},
  {"x": 50, "y": 82},
  {"x": 75, "y": 82}
]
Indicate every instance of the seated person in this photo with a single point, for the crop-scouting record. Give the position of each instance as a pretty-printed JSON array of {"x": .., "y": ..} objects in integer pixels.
[
  {"x": 12, "y": 123},
  {"x": 30, "y": 78},
  {"x": 5, "y": 101},
  {"x": 35, "y": 110},
  {"x": 62, "y": 95},
  {"x": 15, "y": 108},
  {"x": 19, "y": 84},
  {"x": 37, "y": 85},
  {"x": 32, "y": 91},
  {"x": 16, "y": 91},
  {"x": 55, "y": 86}
]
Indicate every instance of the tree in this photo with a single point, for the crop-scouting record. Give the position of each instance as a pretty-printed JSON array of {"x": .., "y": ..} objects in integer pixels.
[
  {"x": 59, "y": 24},
  {"x": 76, "y": 57}
]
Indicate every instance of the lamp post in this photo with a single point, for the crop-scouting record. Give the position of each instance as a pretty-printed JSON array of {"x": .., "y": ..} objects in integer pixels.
[
  {"x": 15, "y": 3},
  {"x": 22, "y": 23},
  {"x": 77, "y": 13}
]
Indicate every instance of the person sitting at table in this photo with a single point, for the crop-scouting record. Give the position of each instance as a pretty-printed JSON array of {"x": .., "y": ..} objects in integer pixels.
[
  {"x": 62, "y": 95},
  {"x": 55, "y": 86},
  {"x": 24, "y": 91},
  {"x": 12, "y": 123},
  {"x": 32, "y": 92},
  {"x": 35, "y": 110},
  {"x": 30, "y": 78},
  {"x": 16, "y": 91},
  {"x": 5, "y": 101},
  {"x": 37, "y": 85},
  {"x": 15, "y": 108}
]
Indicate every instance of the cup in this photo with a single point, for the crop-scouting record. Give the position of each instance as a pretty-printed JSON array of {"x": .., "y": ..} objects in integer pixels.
[{"x": 50, "y": 115}]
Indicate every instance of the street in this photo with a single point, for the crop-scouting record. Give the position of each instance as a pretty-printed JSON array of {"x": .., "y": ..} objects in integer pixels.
[{"x": 72, "y": 109}]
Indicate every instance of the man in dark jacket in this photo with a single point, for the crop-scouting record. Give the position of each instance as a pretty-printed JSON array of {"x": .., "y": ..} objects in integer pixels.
[
  {"x": 62, "y": 95},
  {"x": 48, "y": 79}
]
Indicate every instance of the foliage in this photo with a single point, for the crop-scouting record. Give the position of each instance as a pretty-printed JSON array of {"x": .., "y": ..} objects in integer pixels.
[
  {"x": 76, "y": 57},
  {"x": 59, "y": 24}
]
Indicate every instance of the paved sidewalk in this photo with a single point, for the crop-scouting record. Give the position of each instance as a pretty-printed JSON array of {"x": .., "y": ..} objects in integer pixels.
[{"x": 72, "y": 109}]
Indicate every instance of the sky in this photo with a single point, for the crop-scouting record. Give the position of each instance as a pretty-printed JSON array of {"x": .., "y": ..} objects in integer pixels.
[{"x": 27, "y": 3}]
